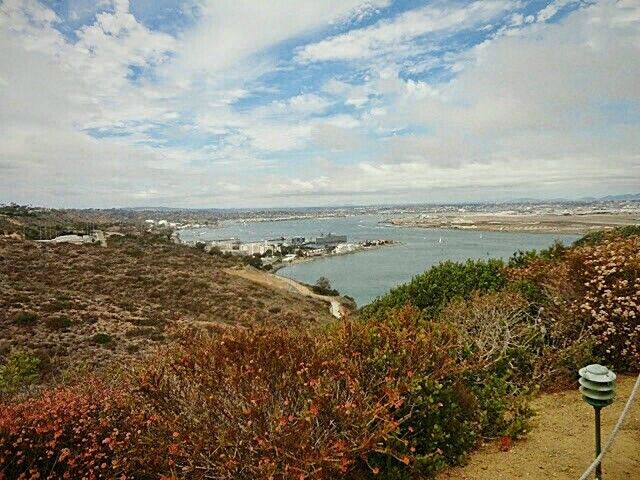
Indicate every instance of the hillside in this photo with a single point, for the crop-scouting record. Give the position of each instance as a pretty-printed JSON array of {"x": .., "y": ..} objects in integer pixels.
[
  {"x": 69, "y": 303},
  {"x": 409, "y": 387}
]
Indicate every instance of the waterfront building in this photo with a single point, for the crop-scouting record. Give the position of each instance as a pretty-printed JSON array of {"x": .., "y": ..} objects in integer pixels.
[
  {"x": 330, "y": 240},
  {"x": 255, "y": 248},
  {"x": 226, "y": 245},
  {"x": 297, "y": 241}
]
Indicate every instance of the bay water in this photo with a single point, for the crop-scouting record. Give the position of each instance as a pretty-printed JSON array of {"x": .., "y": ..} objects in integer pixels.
[{"x": 368, "y": 274}]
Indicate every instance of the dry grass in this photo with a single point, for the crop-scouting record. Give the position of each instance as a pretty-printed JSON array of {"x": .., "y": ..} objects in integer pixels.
[{"x": 55, "y": 299}]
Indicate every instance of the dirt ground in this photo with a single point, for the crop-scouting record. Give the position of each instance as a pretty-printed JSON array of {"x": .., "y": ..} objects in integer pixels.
[{"x": 560, "y": 446}]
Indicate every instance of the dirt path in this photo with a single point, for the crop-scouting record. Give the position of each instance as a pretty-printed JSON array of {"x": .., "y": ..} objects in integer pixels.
[
  {"x": 274, "y": 281},
  {"x": 560, "y": 445}
]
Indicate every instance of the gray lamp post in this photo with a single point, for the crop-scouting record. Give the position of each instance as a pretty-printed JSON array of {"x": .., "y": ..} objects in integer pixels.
[{"x": 597, "y": 385}]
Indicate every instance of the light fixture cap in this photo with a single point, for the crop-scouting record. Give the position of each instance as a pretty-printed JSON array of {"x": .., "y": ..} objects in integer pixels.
[{"x": 597, "y": 385}]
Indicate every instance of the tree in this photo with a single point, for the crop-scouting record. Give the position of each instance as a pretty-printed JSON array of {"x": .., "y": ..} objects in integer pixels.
[{"x": 323, "y": 283}]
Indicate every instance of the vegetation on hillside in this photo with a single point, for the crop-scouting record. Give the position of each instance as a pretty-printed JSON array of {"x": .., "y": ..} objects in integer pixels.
[
  {"x": 411, "y": 385},
  {"x": 70, "y": 304},
  {"x": 34, "y": 223}
]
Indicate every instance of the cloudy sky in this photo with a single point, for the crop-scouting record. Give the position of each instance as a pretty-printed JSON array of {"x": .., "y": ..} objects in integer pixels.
[{"x": 225, "y": 103}]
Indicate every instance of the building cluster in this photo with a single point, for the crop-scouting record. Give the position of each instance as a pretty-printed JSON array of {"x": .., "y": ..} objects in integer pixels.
[
  {"x": 286, "y": 250},
  {"x": 294, "y": 246},
  {"x": 151, "y": 224}
]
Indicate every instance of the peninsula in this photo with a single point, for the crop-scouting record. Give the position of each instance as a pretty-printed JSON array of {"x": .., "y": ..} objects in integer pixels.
[{"x": 561, "y": 223}]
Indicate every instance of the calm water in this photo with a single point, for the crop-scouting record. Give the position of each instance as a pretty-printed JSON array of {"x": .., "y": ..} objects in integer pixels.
[{"x": 366, "y": 275}]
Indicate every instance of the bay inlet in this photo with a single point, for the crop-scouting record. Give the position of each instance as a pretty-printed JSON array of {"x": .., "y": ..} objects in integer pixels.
[{"x": 368, "y": 274}]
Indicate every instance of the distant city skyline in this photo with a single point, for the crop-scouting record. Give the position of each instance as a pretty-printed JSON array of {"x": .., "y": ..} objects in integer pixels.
[{"x": 234, "y": 103}]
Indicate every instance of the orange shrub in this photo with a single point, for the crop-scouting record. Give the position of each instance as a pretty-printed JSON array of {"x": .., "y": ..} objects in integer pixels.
[
  {"x": 396, "y": 395},
  {"x": 81, "y": 431},
  {"x": 265, "y": 403},
  {"x": 400, "y": 396}
]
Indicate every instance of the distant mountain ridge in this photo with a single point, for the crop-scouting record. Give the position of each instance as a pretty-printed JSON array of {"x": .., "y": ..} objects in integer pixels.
[{"x": 607, "y": 198}]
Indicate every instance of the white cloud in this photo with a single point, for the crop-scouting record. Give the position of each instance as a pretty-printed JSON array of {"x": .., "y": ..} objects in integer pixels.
[
  {"x": 549, "y": 105},
  {"x": 231, "y": 31},
  {"x": 550, "y": 10},
  {"x": 395, "y": 36}
]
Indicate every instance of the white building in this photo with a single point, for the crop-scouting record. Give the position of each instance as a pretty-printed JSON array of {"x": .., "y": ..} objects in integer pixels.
[
  {"x": 97, "y": 236},
  {"x": 227, "y": 245},
  {"x": 255, "y": 248},
  {"x": 345, "y": 248}
]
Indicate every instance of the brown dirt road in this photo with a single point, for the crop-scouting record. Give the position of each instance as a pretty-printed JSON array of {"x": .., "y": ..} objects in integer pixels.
[{"x": 560, "y": 446}]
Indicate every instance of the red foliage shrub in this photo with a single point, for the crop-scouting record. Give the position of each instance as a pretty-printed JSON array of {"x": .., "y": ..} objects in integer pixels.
[
  {"x": 81, "y": 431},
  {"x": 356, "y": 398},
  {"x": 266, "y": 403},
  {"x": 285, "y": 403}
]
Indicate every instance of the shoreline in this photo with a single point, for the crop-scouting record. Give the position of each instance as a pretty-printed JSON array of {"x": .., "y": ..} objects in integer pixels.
[
  {"x": 544, "y": 224},
  {"x": 280, "y": 265}
]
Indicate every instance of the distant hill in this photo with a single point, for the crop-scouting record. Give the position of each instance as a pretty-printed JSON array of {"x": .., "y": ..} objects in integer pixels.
[{"x": 628, "y": 196}]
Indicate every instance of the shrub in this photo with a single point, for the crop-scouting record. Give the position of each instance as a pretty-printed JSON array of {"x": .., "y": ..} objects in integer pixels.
[
  {"x": 102, "y": 339},
  {"x": 590, "y": 300},
  {"x": 81, "y": 431},
  {"x": 58, "y": 323},
  {"x": 595, "y": 238},
  {"x": 20, "y": 369},
  {"x": 323, "y": 287},
  {"x": 609, "y": 297},
  {"x": 400, "y": 395},
  {"x": 522, "y": 258},
  {"x": 499, "y": 327},
  {"x": 25, "y": 318},
  {"x": 433, "y": 289}
]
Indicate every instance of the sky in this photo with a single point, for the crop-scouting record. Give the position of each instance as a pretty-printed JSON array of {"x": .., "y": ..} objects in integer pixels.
[{"x": 243, "y": 103}]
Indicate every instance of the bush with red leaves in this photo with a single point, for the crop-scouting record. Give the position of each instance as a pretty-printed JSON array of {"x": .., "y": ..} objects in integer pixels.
[{"x": 82, "y": 431}]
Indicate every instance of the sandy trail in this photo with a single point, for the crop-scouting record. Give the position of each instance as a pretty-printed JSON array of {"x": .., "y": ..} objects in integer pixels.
[
  {"x": 560, "y": 446},
  {"x": 274, "y": 281}
]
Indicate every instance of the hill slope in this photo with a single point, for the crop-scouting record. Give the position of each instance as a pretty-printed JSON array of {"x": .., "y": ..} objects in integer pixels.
[{"x": 92, "y": 304}]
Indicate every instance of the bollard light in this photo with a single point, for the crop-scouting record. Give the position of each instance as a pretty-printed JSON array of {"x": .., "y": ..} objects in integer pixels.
[{"x": 597, "y": 385}]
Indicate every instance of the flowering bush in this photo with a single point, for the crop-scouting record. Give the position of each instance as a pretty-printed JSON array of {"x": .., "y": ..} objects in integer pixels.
[
  {"x": 590, "y": 299},
  {"x": 609, "y": 297}
]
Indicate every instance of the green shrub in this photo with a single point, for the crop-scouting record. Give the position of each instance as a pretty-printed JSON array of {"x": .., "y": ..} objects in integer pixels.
[
  {"x": 433, "y": 289},
  {"x": 521, "y": 258},
  {"x": 323, "y": 287},
  {"x": 20, "y": 369},
  {"x": 25, "y": 318},
  {"x": 102, "y": 339},
  {"x": 58, "y": 323}
]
